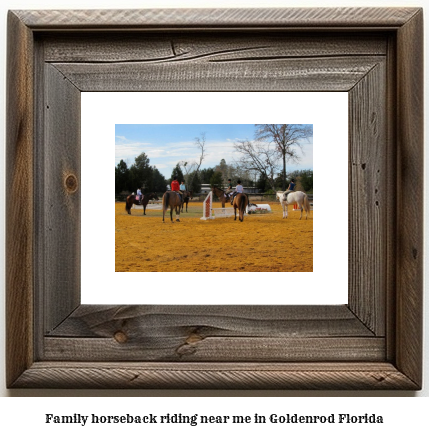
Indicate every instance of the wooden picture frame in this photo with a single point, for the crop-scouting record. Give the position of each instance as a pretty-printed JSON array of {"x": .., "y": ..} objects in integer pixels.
[{"x": 373, "y": 342}]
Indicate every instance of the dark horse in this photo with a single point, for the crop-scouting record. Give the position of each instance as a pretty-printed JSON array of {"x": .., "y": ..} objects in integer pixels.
[
  {"x": 221, "y": 194},
  {"x": 131, "y": 199},
  {"x": 187, "y": 195},
  {"x": 173, "y": 200},
  {"x": 240, "y": 203}
]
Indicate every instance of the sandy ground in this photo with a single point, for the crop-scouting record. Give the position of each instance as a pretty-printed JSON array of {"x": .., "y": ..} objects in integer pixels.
[{"x": 259, "y": 243}]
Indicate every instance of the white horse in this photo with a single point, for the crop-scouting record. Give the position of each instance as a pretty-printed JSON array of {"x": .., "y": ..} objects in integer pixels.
[{"x": 298, "y": 197}]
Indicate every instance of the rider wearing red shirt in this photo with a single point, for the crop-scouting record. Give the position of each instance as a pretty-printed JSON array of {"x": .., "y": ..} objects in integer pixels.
[{"x": 175, "y": 185}]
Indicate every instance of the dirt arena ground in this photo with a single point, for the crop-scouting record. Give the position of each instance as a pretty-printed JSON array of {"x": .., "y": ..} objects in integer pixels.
[{"x": 259, "y": 243}]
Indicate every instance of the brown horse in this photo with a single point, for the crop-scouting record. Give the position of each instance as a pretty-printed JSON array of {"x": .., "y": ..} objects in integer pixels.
[
  {"x": 221, "y": 194},
  {"x": 131, "y": 199},
  {"x": 187, "y": 195},
  {"x": 240, "y": 203},
  {"x": 173, "y": 200}
]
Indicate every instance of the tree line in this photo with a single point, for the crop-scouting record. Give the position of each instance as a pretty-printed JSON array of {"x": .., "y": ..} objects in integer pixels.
[{"x": 262, "y": 164}]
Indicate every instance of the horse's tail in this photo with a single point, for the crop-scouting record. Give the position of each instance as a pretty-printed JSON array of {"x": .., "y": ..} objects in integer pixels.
[
  {"x": 242, "y": 208},
  {"x": 127, "y": 206},
  {"x": 165, "y": 201},
  {"x": 306, "y": 203}
]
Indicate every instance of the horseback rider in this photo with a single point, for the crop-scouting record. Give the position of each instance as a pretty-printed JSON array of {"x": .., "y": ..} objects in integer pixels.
[
  {"x": 140, "y": 195},
  {"x": 238, "y": 190},
  {"x": 228, "y": 189},
  {"x": 290, "y": 188},
  {"x": 176, "y": 187},
  {"x": 182, "y": 188}
]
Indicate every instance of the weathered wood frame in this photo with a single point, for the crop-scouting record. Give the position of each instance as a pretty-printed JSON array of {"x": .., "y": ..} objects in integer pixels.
[{"x": 374, "y": 342}]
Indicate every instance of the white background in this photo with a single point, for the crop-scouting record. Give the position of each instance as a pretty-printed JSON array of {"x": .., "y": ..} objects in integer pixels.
[
  {"x": 327, "y": 284},
  {"x": 16, "y": 414}
]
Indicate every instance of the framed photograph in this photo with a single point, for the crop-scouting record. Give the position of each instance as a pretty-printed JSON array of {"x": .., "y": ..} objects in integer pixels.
[
  {"x": 206, "y": 254},
  {"x": 374, "y": 341}
]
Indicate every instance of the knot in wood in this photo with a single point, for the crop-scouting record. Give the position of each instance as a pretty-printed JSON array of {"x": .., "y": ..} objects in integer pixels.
[
  {"x": 120, "y": 337},
  {"x": 71, "y": 183}
]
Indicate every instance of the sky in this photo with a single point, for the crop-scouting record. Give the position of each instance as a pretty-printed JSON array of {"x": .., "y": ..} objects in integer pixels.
[{"x": 167, "y": 144}]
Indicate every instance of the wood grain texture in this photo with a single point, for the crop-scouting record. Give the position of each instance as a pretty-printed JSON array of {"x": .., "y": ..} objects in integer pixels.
[
  {"x": 368, "y": 199},
  {"x": 99, "y": 321},
  {"x": 61, "y": 186},
  {"x": 107, "y": 375},
  {"x": 325, "y": 74},
  {"x": 193, "y": 348},
  {"x": 391, "y": 192},
  {"x": 213, "y": 333},
  {"x": 19, "y": 200},
  {"x": 189, "y": 347},
  {"x": 202, "y": 46},
  {"x": 208, "y": 18},
  {"x": 409, "y": 260}
]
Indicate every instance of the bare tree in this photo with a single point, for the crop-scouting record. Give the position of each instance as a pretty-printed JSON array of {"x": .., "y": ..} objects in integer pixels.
[
  {"x": 192, "y": 168},
  {"x": 200, "y": 141},
  {"x": 287, "y": 140},
  {"x": 188, "y": 168},
  {"x": 258, "y": 157}
]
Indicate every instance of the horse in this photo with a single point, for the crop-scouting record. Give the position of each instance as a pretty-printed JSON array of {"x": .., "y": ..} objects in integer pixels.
[
  {"x": 240, "y": 203},
  {"x": 279, "y": 195},
  {"x": 173, "y": 200},
  {"x": 131, "y": 199},
  {"x": 187, "y": 195},
  {"x": 300, "y": 198},
  {"x": 221, "y": 194}
]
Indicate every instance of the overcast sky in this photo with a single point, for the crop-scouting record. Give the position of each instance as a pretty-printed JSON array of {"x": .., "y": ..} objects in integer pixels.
[{"x": 167, "y": 144}]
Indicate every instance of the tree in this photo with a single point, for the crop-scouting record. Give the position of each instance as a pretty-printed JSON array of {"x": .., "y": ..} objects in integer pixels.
[
  {"x": 225, "y": 171},
  {"x": 192, "y": 168},
  {"x": 195, "y": 184},
  {"x": 205, "y": 174},
  {"x": 257, "y": 157},
  {"x": 140, "y": 172},
  {"x": 305, "y": 177},
  {"x": 121, "y": 177},
  {"x": 307, "y": 180},
  {"x": 188, "y": 168},
  {"x": 216, "y": 179},
  {"x": 200, "y": 142},
  {"x": 158, "y": 182},
  {"x": 261, "y": 183},
  {"x": 177, "y": 172},
  {"x": 287, "y": 140}
]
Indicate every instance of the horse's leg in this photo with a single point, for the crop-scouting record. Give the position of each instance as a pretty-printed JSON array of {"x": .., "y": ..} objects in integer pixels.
[
  {"x": 300, "y": 206},
  {"x": 178, "y": 213},
  {"x": 235, "y": 212}
]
